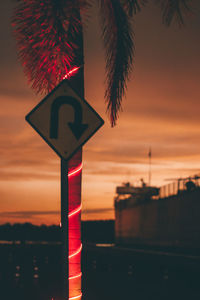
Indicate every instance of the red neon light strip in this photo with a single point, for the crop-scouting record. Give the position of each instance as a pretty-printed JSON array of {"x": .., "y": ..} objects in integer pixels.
[
  {"x": 75, "y": 171},
  {"x": 75, "y": 276},
  {"x": 73, "y": 213},
  {"x": 76, "y": 297},
  {"x": 71, "y": 72},
  {"x": 77, "y": 252}
]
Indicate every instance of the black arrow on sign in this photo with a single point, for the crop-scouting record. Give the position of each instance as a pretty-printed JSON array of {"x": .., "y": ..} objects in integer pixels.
[{"x": 77, "y": 127}]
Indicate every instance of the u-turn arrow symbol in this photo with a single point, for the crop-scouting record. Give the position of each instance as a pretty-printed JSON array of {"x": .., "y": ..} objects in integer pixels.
[{"x": 77, "y": 127}]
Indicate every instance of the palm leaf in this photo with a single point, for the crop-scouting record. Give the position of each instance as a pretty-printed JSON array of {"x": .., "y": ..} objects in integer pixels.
[
  {"x": 133, "y": 6},
  {"x": 174, "y": 9},
  {"x": 118, "y": 39},
  {"x": 45, "y": 32}
]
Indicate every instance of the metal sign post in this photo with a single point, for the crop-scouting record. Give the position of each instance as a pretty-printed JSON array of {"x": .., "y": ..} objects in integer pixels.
[
  {"x": 66, "y": 122},
  {"x": 64, "y": 226}
]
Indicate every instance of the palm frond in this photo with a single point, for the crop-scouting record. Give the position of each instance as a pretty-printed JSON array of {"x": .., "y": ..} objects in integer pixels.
[
  {"x": 133, "y": 6},
  {"x": 174, "y": 9},
  {"x": 118, "y": 39},
  {"x": 45, "y": 32}
]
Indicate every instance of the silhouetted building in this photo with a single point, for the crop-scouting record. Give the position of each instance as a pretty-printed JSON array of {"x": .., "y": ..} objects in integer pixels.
[{"x": 166, "y": 216}]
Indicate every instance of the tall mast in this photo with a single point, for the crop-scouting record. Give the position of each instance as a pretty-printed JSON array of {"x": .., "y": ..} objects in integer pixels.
[{"x": 149, "y": 154}]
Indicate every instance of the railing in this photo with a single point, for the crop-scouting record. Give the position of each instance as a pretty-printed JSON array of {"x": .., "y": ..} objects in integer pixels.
[{"x": 177, "y": 186}]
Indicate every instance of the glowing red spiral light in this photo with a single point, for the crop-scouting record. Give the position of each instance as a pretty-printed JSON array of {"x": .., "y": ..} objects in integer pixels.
[
  {"x": 76, "y": 297},
  {"x": 75, "y": 171},
  {"x": 71, "y": 72},
  {"x": 73, "y": 255},
  {"x": 77, "y": 252}
]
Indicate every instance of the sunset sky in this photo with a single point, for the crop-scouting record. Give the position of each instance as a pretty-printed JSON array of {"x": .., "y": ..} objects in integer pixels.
[{"x": 161, "y": 110}]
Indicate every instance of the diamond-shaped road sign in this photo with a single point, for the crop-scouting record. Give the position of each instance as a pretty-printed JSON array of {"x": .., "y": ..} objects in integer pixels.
[{"x": 64, "y": 120}]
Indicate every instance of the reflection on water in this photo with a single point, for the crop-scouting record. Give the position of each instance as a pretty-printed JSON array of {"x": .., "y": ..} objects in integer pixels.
[
  {"x": 33, "y": 272},
  {"x": 10, "y": 242},
  {"x": 29, "y": 243},
  {"x": 104, "y": 245},
  {"x": 30, "y": 271}
]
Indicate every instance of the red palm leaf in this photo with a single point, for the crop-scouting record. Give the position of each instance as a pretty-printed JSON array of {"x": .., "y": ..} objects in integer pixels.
[{"x": 45, "y": 32}]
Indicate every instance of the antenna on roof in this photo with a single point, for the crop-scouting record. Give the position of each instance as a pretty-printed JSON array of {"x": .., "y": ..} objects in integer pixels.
[{"x": 149, "y": 154}]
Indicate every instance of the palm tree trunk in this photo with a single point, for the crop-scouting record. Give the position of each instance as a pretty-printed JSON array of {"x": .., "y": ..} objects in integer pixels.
[{"x": 72, "y": 186}]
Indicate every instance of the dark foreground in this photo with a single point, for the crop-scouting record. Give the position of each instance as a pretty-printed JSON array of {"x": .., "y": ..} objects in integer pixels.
[{"x": 30, "y": 272}]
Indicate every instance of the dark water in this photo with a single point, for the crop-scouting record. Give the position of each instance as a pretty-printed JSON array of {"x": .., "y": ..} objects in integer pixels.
[
  {"x": 34, "y": 272},
  {"x": 30, "y": 271}
]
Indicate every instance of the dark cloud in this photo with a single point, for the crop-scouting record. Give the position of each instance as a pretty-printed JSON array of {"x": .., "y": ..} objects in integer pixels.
[
  {"x": 97, "y": 211},
  {"x": 26, "y": 214},
  {"x": 11, "y": 175},
  {"x": 32, "y": 214}
]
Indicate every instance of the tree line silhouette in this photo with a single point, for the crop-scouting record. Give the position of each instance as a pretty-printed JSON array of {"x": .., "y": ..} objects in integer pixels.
[{"x": 92, "y": 231}]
